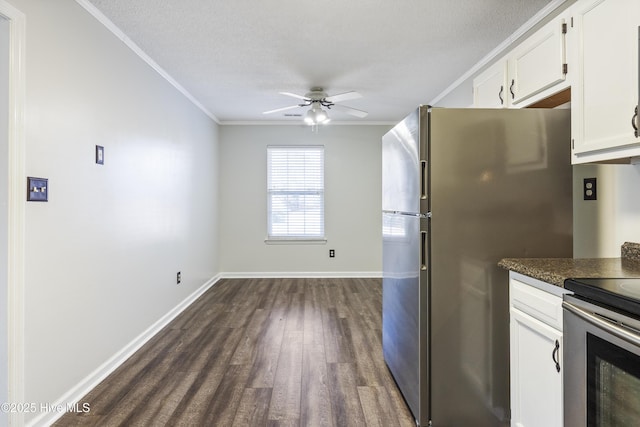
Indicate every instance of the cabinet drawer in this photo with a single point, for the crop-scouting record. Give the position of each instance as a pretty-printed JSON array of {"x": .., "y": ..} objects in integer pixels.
[{"x": 536, "y": 303}]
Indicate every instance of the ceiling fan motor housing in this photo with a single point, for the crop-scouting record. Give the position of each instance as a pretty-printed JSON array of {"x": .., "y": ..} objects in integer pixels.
[{"x": 317, "y": 96}]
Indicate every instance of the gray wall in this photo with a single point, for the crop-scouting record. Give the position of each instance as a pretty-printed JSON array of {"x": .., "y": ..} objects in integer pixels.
[
  {"x": 103, "y": 253},
  {"x": 352, "y": 201},
  {"x": 601, "y": 226}
]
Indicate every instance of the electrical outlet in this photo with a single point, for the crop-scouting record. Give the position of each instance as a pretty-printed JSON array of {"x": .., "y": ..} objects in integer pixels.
[
  {"x": 589, "y": 189},
  {"x": 332, "y": 253},
  {"x": 178, "y": 278}
]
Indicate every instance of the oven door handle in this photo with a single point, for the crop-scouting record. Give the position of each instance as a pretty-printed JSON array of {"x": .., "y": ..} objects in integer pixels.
[{"x": 603, "y": 324}]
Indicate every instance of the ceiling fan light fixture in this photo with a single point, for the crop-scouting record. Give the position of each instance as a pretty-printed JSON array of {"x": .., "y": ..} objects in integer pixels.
[
  {"x": 310, "y": 118},
  {"x": 321, "y": 116},
  {"x": 316, "y": 116}
]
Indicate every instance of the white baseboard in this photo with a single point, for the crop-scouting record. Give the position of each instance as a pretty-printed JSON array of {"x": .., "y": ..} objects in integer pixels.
[
  {"x": 301, "y": 274},
  {"x": 80, "y": 390}
]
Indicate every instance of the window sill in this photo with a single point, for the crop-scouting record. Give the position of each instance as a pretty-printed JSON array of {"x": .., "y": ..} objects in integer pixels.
[{"x": 295, "y": 241}]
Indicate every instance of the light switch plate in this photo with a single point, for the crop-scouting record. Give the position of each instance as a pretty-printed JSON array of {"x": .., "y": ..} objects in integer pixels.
[{"x": 37, "y": 189}]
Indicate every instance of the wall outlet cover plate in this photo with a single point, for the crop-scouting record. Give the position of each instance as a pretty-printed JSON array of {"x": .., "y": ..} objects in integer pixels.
[{"x": 590, "y": 189}]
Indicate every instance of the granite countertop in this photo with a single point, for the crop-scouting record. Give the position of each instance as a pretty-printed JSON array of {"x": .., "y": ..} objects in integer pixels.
[{"x": 556, "y": 270}]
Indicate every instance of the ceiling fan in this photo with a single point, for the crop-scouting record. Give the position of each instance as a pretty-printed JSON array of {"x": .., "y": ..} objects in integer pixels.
[{"x": 316, "y": 99}]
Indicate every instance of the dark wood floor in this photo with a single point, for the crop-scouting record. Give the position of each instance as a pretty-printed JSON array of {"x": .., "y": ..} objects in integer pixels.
[{"x": 259, "y": 352}]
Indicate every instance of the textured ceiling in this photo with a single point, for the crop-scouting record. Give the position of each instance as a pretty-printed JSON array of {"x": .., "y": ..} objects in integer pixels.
[{"x": 235, "y": 57}]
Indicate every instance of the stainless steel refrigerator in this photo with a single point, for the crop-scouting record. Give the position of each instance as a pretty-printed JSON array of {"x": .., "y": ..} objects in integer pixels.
[{"x": 463, "y": 188}]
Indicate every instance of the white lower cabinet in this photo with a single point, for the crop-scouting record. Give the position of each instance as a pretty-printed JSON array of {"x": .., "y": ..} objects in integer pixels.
[{"x": 536, "y": 352}]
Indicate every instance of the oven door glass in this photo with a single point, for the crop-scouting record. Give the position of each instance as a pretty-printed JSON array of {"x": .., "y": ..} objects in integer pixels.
[{"x": 613, "y": 385}]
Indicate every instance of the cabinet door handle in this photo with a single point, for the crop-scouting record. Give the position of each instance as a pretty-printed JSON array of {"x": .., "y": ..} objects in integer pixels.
[
  {"x": 500, "y": 95},
  {"x": 634, "y": 121},
  {"x": 554, "y": 355},
  {"x": 513, "y": 95}
]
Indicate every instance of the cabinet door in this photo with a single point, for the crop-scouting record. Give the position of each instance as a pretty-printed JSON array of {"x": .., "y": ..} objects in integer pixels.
[
  {"x": 538, "y": 63},
  {"x": 489, "y": 88},
  {"x": 536, "y": 384},
  {"x": 606, "y": 92}
]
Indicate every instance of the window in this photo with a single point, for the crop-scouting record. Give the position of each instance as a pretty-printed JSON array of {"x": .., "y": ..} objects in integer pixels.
[{"x": 295, "y": 187}]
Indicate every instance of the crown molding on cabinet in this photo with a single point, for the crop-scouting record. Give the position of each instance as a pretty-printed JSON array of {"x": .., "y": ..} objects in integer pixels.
[{"x": 502, "y": 47}]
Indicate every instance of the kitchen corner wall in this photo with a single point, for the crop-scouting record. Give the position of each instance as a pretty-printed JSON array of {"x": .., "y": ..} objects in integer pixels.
[
  {"x": 102, "y": 254},
  {"x": 352, "y": 201},
  {"x": 601, "y": 226}
]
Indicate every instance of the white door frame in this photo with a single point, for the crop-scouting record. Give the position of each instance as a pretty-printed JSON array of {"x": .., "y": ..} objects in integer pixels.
[{"x": 16, "y": 213}]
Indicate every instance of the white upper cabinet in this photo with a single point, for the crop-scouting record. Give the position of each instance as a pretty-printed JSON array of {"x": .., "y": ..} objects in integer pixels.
[
  {"x": 535, "y": 69},
  {"x": 489, "y": 87},
  {"x": 605, "y": 93},
  {"x": 538, "y": 63}
]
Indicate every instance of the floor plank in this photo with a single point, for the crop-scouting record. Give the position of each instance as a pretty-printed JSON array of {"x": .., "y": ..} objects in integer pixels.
[
  {"x": 345, "y": 403},
  {"x": 285, "y": 396},
  {"x": 253, "y": 408},
  {"x": 259, "y": 352}
]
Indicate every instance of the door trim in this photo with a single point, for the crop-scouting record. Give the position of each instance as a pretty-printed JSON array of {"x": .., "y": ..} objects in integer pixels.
[{"x": 16, "y": 213}]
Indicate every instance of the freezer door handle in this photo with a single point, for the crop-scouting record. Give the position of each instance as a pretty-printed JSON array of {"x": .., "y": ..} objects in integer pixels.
[
  {"x": 423, "y": 250},
  {"x": 423, "y": 179}
]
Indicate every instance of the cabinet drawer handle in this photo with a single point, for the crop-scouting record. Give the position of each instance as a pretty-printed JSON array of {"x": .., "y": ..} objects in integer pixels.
[
  {"x": 554, "y": 355},
  {"x": 634, "y": 121},
  {"x": 513, "y": 95},
  {"x": 500, "y": 95}
]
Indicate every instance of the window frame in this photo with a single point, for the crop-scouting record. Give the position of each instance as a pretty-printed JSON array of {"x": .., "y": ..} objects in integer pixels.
[{"x": 276, "y": 238}]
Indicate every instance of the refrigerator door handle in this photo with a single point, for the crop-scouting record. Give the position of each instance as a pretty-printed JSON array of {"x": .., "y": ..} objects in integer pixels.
[
  {"x": 423, "y": 179},
  {"x": 423, "y": 250}
]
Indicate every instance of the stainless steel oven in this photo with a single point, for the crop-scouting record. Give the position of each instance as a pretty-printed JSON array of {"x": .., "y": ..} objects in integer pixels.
[{"x": 602, "y": 353}]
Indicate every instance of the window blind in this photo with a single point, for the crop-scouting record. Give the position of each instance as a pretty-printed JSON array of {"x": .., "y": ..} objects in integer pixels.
[{"x": 295, "y": 187}]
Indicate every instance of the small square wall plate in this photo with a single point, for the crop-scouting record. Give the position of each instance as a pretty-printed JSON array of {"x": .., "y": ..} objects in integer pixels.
[
  {"x": 99, "y": 154},
  {"x": 37, "y": 189}
]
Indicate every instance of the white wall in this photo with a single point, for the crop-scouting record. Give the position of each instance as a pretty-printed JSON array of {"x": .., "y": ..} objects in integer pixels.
[
  {"x": 102, "y": 254},
  {"x": 602, "y": 226},
  {"x": 4, "y": 185},
  {"x": 352, "y": 201}
]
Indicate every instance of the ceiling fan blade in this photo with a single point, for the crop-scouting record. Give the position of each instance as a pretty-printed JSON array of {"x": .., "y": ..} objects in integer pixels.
[
  {"x": 352, "y": 111},
  {"x": 346, "y": 96},
  {"x": 281, "y": 109},
  {"x": 294, "y": 95}
]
